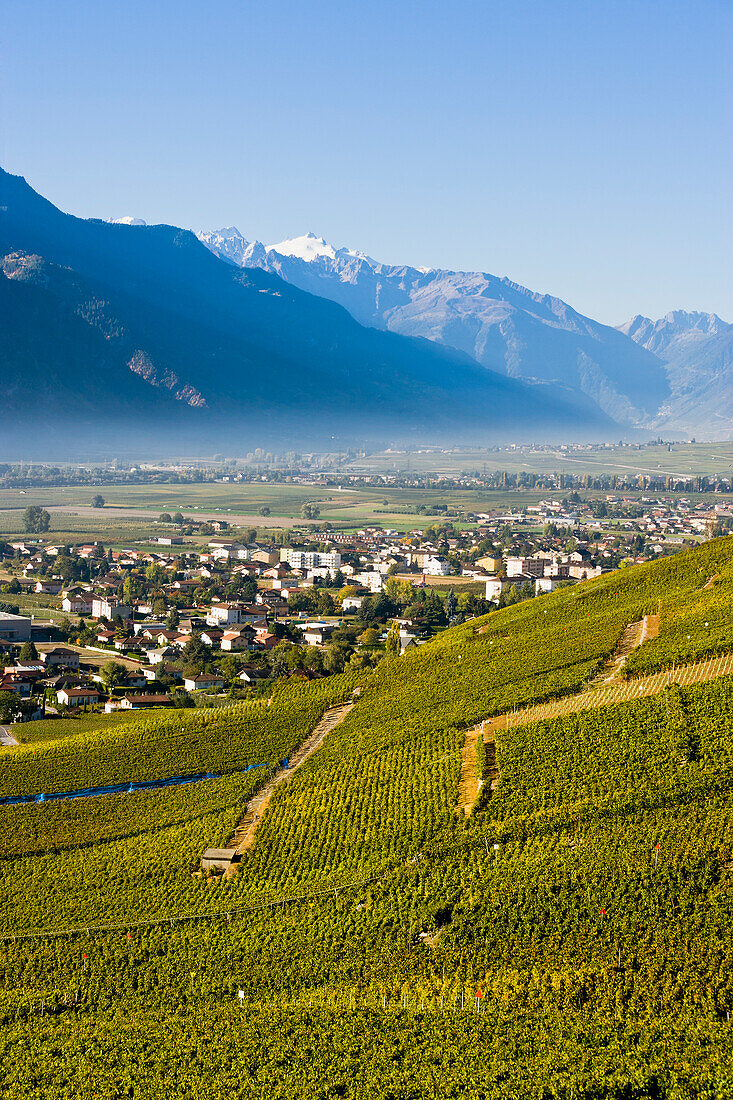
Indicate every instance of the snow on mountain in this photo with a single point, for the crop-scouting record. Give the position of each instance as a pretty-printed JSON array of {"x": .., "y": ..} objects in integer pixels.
[
  {"x": 126, "y": 221},
  {"x": 502, "y": 325},
  {"x": 307, "y": 248},
  {"x": 310, "y": 247},
  {"x": 147, "y": 325},
  {"x": 227, "y": 243}
]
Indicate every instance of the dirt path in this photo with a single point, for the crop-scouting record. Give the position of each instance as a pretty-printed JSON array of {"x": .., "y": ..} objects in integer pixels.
[
  {"x": 6, "y": 737},
  {"x": 603, "y": 690},
  {"x": 469, "y": 784},
  {"x": 634, "y": 636},
  {"x": 620, "y": 691},
  {"x": 711, "y": 581},
  {"x": 244, "y": 833}
]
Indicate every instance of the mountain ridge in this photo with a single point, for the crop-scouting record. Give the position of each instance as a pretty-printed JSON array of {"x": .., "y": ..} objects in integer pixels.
[
  {"x": 225, "y": 355},
  {"x": 697, "y": 350},
  {"x": 504, "y": 326}
]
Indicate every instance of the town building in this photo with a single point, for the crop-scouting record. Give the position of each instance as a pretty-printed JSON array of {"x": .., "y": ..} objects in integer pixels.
[{"x": 14, "y": 628}]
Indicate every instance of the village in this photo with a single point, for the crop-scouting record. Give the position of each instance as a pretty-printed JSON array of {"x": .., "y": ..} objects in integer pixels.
[{"x": 206, "y": 613}]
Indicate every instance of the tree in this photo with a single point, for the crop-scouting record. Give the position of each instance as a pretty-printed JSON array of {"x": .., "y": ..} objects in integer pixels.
[
  {"x": 264, "y": 510},
  {"x": 36, "y": 520},
  {"x": 155, "y": 573},
  {"x": 177, "y": 518},
  {"x": 8, "y": 706},
  {"x": 113, "y": 673},
  {"x": 325, "y": 604},
  {"x": 302, "y": 600},
  {"x": 451, "y": 603},
  {"x": 97, "y": 501},
  {"x": 310, "y": 510},
  {"x": 400, "y": 592},
  {"x": 165, "y": 517},
  {"x": 370, "y": 636},
  {"x": 392, "y": 644},
  {"x": 12, "y": 707},
  {"x": 28, "y": 652},
  {"x": 196, "y": 655}
]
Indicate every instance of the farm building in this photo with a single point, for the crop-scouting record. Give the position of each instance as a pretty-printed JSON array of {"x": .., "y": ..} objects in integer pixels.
[{"x": 219, "y": 859}]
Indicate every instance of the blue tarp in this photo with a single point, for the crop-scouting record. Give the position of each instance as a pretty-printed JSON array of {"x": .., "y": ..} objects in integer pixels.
[{"x": 117, "y": 788}]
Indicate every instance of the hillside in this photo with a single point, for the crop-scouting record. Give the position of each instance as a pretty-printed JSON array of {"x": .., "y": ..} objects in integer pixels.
[
  {"x": 570, "y": 938},
  {"x": 141, "y": 328},
  {"x": 501, "y": 324}
]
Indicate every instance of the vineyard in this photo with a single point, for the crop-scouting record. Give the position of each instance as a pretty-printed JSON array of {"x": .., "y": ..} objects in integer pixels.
[{"x": 570, "y": 939}]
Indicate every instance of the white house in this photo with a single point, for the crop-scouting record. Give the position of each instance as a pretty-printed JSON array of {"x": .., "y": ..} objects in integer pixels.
[
  {"x": 77, "y": 697},
  {"x": 205, "y": 681},
  {"x": 60, "y": 657},
  {"x": 228, "y": 614},
  {"x": 78, "y": 604},
  {"x": 496, "y": 585},
  {"x": 548, "y": 584},
  {"x": 312, "y": 559},
  {"x": 104, "y": 607},
  {"x": 436, "y": 567}
]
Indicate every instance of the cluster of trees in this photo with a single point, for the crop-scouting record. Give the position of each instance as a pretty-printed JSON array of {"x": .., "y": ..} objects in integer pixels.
[{"x": 36, "y": 520}]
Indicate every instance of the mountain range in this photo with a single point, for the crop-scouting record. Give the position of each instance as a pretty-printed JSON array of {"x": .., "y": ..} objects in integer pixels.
[
  {"x": 117, "y": 335},
  {"x": 697, "y": 351},
  {"x": 673, "y": 374}
]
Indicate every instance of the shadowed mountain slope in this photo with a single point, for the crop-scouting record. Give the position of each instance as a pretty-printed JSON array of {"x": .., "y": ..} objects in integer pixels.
[{"x": 116, "y": 325}]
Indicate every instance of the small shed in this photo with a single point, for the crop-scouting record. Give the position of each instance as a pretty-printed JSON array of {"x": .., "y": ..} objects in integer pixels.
[{"x": 219, "y": 859}]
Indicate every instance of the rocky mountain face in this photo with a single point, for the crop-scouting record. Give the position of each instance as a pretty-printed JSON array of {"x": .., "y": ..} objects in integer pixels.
[
  {"x": 126, "y": 331},
  {"x": 503, "y": 326},
  {"x": 697, "y": 351}
]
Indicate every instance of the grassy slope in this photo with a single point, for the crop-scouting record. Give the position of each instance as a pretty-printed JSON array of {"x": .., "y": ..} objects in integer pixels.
[{"x": 581, "y": 805}]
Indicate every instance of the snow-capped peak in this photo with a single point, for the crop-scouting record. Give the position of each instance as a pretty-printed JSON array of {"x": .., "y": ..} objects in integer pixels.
[
  {"x": 129, "y": 220},
  {"x": 310, "y": 247},
  {"x": 228, "y": 233}
]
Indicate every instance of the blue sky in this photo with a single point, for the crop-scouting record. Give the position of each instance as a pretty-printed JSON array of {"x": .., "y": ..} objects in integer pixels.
[{"x": 581, "y": 148}]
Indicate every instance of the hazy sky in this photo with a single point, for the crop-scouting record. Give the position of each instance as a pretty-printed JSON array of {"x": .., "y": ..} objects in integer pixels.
[{"x": 584, "y": 149}]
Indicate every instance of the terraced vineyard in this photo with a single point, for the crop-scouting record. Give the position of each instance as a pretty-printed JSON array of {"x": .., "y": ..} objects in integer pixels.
[{"x": 570, "y": 939}]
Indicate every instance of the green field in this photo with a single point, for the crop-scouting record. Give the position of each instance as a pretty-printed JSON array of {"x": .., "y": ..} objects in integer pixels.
[
  {"x": 681, "y": 458},
  {"x": 123, "y": 520}
]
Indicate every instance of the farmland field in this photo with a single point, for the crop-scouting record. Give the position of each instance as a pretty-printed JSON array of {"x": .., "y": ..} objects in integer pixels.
[
  {"x": 132, "y": 511},
  {"x": 684, "y": 459}
]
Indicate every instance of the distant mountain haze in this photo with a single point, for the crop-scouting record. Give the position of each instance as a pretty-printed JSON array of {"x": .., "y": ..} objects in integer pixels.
[
  {"x": 512, "y": 330},
  {"x": 697, "y": 350},
  {"x": 123, "y": 331},
  {"x": 502, "y": 325}
]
